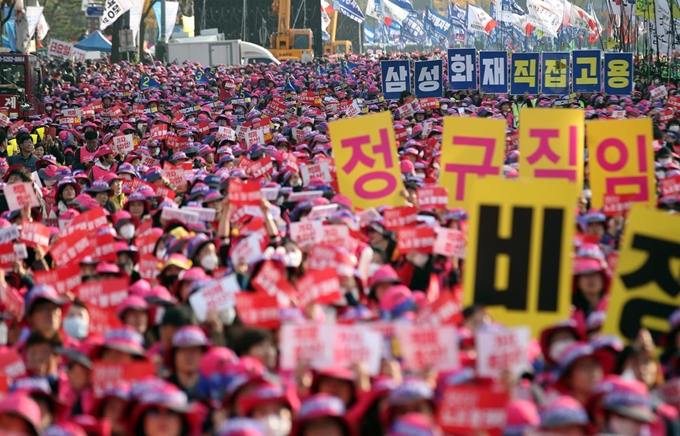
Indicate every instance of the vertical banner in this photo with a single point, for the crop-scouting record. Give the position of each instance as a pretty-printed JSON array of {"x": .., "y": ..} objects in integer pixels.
[
  {"x": 136, "y": 17},
  {"x": 429, "y": 80},
  {"x": 586, "y": 67},
  {"x": 471, "y": 148},
  {"x": 396, "y": 78},
  {"x": 366, "y": 160},
  {"x": 618, "y": 73},
  {"x": 646, "y": 287},
  {"x": 519, "y": 251},
  {"x": 462, "y": 69},
  {"x": 171, "y": 10},
  {"x": 552, "y": 145},
  {"x": 622, "y": 160},
  {"x": 112, "y": 10},
  {"x": 493, "y": 72},
  {"x": 524, "y": 73},
  {"x": 555, "y": 70}
]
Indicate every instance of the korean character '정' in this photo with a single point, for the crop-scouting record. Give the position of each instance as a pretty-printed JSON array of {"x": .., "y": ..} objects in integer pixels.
[
  {"x": 525, "y": 71},
  {"x": 485, "y": 168},
  {"x": 543, "y": 150},
  {"x": 618, "y": 73},
  {"x": 461, "y": 68},
  {"x": 396, "y": 79},
  {"x": 555, "y": 74},
  {"x": 358, "y": 156}
]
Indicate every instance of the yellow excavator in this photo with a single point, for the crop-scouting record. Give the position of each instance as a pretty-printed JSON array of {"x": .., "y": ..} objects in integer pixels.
[
  {"x": 286, "y": 43},
  {"x": 335, "y": 47}
]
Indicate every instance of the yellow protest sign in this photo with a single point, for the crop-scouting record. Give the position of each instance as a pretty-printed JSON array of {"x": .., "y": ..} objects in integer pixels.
[
  {"x": 646, "y": 286},
  {"x": 34, "y": 137},
  {"x": 518, "y": 262},
  {"x": 552, "y": 145},
  {"x": 366, "y": 160},
  {"x": 471, "y": 148},
  {"x": 12, "y": 147},
  {"x": 621, "y": 160},
  {"x": 40, "y": 131}
]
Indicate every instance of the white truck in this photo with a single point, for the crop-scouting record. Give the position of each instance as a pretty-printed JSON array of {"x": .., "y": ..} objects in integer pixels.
[{"x": 212, "y": 49}]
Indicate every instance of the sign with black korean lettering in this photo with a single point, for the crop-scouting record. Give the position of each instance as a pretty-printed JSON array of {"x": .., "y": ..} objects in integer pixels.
[
  {"x": 518, "y": 262},
  {"x": 646, "y": 287},
  {"x": 428, "y": 78}
]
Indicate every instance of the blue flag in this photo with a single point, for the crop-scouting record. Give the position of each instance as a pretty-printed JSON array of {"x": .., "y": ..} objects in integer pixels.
[
  {"x": 147, "y": 82},
  {"x": 437, "y": 23},
  {"x": 404, "y": 4},
  {"x": 457, "y": 16},
  {"x": 290, "y": 86},
  {"x": 201, "y": 78},
  {"x": 511, "y": 6},
  {"x": 318, "y": 69},
  {"x": 412, "y": 29},
  {"x": 351, "y": 9},
  {"x": 369, "y": 34}
]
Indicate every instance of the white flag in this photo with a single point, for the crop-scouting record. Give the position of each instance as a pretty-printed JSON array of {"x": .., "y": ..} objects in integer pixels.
[
  {"x": 33, "y": 14},
  {"x": 171, "y": 10},
  {"x": 546, "y": 15},
  {"x": 112, "y": 10},
  {"x": 478, "y": 20},
  {"x": 136, "y": 17},
  {"x": 389, "y": 10},
  {"x": 580, "y": 19}
]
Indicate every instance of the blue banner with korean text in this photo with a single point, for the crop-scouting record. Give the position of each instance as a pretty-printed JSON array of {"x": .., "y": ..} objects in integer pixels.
[
  {"x": 586, "y": 68},
  {"x": 524, "y": 73},
  {"x": 493, "y": 72},
  {"x": 462, "y": 64},
  {"x": 618, "y": 73},
  {"x": 555, "y": 73},
  {"x": 396, "y": 78}
]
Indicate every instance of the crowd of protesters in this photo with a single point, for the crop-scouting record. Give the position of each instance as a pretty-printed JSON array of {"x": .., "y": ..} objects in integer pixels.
[{"x": 222, "y": 376}]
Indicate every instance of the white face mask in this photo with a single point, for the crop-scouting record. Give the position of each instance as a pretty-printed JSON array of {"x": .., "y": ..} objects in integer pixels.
[
  {"x": 665, "y": 161},
  {"x": 76, "y": 327},
  {"x": 372, "y": 268},
  {"x": 275, "y": 425},
  {"x": 674, "y": 128},
  {"x": 293, "y": 258},
  {"x": 660, "y": 174},
  {"x": 306, "y": 129},
  {"x": 445, "y": 106},
  {"x": 557, "y": 347},
  {"x": 419, "y": 259},
  {"x": 409, "y": 130},
  {"x": 227, "y": 316},
  {"x": 3, "y": 333},
  {"x": 298, "y": 182},
  {"x": 209, "y": 262},
  {"x": 127, "y": 231}
]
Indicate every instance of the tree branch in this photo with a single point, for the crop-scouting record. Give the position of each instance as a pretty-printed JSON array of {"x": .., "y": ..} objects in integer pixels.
[{"x": 148, "y": 10}]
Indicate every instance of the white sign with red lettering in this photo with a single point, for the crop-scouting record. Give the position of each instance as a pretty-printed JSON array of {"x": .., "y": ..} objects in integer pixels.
[
  {"x": 305, "y": 232},
  {"x": 182, "y": 215},
  {"x": 59, "y": 49},
  {"x": 254, "y": 137},
  {"x": 217, "y": 296},
  {"x": 226, "y": 133},
  {"x": 353, "y": 110},
  {"x": 247, "y": 250},
  {"x": 428, "y": 347},
  {"x": 500, "y": 349},
  {"x": 123, "y": 144},
  {"x": 320, "y": 170},
  {"x": 450, "y": 242},
  {"x": 20, "y": 194}
]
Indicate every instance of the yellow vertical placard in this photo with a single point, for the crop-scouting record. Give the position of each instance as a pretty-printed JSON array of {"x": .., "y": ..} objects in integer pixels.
[
  {"x": 621, "y": 160},
  {"x": 518, "y": 262},
  {"x": 551, "y": 142},
  {"x": 471, "y": 148},
  {"x": 366, "y": 160},
  {"x": 646, "y": 286}
]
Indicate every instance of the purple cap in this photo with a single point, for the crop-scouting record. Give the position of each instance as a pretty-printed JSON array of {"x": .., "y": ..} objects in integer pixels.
[
  {"x": 241, "y": 427},
  {"x": 190, "y": 336},
  {"x": 321, "y": 405},
  {"x": 412, "y": 424},
  {"x": 126, "y": 340},
  {"x": 631, "y": 400},
  {"x": 43, "y": 292},
  {"x": 563, "y": 412}
]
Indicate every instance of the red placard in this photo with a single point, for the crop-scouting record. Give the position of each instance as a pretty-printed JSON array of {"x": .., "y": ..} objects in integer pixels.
[
  {"x": 148, "y": 267},
  {"x": 35, "y": 234},
  {"x": 72, "y": 248},
  {"x": 271, "y": 280},
  {"x": 433, "y": 197},
  {"x": 428, "y": 103},
  {"x": 105, "y": 294},
  {"x": 420, "y": 239},
  {"x": 146, "y": 243},
  {"x": 445, "y": 310},
  {"x": 244, "y": 194},
  {"x": 319, "y": 286},
  {"x": 259, "y": 310},
  {"x": 13, "y": 301},
  {"x": 617, "y": 204},
  {"x": 670, "y": 185},
  {"x": 105, "y": 248},
  {"x": 471, "y": 409},
  {"x": 63, "y": 279},
  {"x": 106, "y": 374},
  {"x": 11, "y": 364},
  {"x": 86, "y": 222},
  {"x": 400, "y": 217}
]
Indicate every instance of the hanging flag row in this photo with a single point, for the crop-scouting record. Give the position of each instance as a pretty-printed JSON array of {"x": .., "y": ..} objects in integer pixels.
[{"x": 556, "y": 73}]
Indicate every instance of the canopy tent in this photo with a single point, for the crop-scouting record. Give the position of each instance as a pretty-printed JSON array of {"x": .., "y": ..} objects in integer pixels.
[{"x": 94, "y": 42}]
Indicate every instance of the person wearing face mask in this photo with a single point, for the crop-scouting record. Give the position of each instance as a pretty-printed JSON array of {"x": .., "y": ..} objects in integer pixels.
[
  {"x": 203, "y": 252},
  {"x": 272, "y": 405},
  {"x": 124, "y": 225},
  {"x": 77, "y": 321},
  {"x": 627, "y": 409},
  {"x": 556, "y": 338}
]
